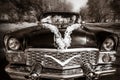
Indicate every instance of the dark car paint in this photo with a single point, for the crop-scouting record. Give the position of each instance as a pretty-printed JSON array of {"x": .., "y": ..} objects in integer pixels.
[{"x": 102, "y": 33}]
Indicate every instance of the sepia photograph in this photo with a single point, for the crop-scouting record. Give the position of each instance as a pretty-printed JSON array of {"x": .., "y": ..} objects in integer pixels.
[{"x": 59, "y": 39}]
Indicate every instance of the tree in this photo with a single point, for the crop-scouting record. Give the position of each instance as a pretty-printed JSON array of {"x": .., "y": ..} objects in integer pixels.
[
  {"x": 23, "y": 8},
  {"x": 99, "y": 10},
  {"x": 115, "y": 5},
  {"x": 84, "y": 13},
  {"x": 57, "y": 5}
]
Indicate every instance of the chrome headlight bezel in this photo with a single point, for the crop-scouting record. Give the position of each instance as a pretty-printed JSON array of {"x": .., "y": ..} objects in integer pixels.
[{"x": 13, "y": 44}]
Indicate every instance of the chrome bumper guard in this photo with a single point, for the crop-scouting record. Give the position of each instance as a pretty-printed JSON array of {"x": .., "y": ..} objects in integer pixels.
[{"x": 21, "y": 75}]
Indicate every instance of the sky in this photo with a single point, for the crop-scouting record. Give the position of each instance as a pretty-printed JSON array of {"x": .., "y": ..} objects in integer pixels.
[{"x": 77, "y": 4}]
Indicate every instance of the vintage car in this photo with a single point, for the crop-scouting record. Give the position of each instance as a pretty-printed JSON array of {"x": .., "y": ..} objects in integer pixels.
[{"x": 59, "y": 47}]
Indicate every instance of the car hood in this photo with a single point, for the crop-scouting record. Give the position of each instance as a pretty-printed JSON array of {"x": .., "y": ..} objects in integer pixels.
[
  {"x": 45, "y": 38},
  {"x": 84, "y": 37},
  {"x": 12, "y": 27}
]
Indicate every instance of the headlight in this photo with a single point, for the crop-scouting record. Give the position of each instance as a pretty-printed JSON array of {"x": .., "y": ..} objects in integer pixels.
[
  {"x": 13, "y": 44},
  {"x": 108, "y": 44}
]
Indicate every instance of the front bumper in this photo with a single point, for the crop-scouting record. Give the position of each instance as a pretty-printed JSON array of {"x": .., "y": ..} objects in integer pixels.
[{"x": 21, "y": 75}]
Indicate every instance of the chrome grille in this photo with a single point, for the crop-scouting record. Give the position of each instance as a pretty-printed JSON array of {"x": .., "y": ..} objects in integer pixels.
[{"x": 38, "y": 56}]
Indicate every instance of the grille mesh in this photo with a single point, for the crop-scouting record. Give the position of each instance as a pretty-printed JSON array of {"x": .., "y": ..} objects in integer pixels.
[{"x": 38, "y": 56}]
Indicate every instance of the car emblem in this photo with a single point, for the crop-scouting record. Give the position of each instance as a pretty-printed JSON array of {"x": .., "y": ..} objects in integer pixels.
[{"x": 62, "y": 63}]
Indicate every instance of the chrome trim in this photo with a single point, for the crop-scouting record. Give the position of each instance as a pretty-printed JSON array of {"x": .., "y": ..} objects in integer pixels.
[
  {"x": 55, "y": 76},
  {"x": 68, "y": 67},
  {"x": 61, "y": 76},
  {"x": 100, "y": 73},
  {"x": 14, "y": 52},
  {"x": 103, "y": 73},
  {"x": 111, "y": 52},
  {"x": 62, "y": 50}
]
